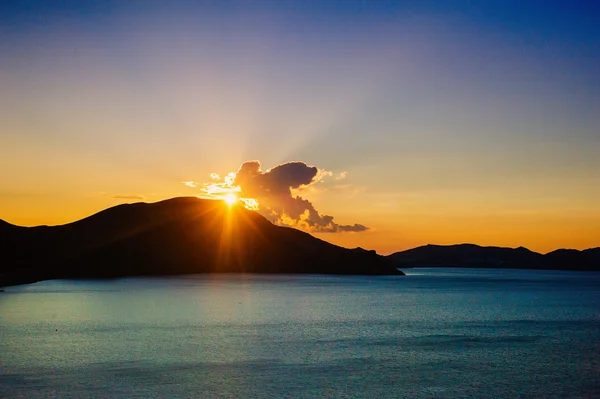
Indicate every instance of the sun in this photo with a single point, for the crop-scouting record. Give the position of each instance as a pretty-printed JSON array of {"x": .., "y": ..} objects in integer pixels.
[{"x": 230, "y": 198}]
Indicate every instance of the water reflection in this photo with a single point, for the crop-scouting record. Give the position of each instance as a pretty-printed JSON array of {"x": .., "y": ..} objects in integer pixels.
[{"x": 433, "y": 333}]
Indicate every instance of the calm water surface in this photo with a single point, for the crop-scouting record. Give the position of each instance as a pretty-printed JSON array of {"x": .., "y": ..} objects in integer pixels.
[{"x": 435, "y": 333}]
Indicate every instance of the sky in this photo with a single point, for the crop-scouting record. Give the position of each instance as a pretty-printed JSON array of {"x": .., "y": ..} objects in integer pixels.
[{"x": 418, "y": 121}]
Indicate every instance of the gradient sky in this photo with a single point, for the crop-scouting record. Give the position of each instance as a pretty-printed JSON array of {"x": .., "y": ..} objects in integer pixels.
[{"x": 455, "y": 121}]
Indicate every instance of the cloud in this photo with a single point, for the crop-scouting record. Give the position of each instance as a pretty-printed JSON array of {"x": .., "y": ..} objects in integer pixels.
[
  {"x": 273, "y": 191},
  {"x": 193, "y": 183}
]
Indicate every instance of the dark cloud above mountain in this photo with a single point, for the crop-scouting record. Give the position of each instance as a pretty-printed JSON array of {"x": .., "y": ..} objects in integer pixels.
[
  {"x": 273, "y": 191},
  {"x": 279, "y": 180}
]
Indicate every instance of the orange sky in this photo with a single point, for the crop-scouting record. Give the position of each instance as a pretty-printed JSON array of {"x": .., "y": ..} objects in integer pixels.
[
  {"x": 542, "y": 219},
  {"x": 450, "y": 127}
]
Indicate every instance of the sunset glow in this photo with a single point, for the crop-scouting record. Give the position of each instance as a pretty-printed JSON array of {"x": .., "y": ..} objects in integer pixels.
[
  {"x": 223, "y": 188},
  {"x": 230, "y": 198},
  {"x": 307, "y": 198},
  {"x": 426, "y": 123}
]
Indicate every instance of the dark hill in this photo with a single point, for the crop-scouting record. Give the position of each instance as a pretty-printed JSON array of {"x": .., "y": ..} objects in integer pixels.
[
  {"x": 469, "y": 255},
  {"x": 177, "y": 236},
  {"x": 588, "y": 259}
]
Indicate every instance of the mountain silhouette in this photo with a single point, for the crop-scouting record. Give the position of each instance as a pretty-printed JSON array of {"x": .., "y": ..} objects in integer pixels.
[
  {"x": 470, "y": 255},
  {"x": 177, "y": 236}
]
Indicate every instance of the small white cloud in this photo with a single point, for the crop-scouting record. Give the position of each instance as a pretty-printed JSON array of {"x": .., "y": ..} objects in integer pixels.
[{"x": 321, "y": 175}]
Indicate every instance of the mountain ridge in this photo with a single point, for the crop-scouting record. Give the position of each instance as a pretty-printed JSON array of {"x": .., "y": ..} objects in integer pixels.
[
  {"x": 191, "y": 235},
  {"x": 181, "y": 235},
  {"x": 472, "y": 255}
]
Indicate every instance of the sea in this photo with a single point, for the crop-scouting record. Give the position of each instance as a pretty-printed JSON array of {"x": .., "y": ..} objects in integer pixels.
[{"x": 434, "y": 333}]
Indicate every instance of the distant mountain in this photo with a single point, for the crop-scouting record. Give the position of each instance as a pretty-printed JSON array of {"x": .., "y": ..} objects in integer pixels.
[
  {"x": 567, "y": 259},
  {"x": 469, "y": 255},
  {"x": 176, "y": 236}
]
